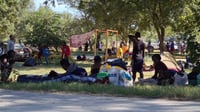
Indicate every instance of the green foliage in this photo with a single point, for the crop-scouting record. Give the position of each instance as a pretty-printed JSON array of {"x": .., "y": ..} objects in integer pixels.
[
  {"x": 192, "y": 32},
  {"x": 159, "y": 14},
  {"x": 127, "y": 16},
  {"x": 45, "y": 27},
  {"x": 10, "y": 10},
  {"x": 108, "y": 14}
]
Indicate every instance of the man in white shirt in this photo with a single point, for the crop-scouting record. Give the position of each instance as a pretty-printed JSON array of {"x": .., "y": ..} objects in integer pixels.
[{"x": 11, "y": 43}]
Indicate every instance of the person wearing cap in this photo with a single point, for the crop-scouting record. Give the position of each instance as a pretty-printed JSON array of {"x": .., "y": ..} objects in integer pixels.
[{"x": 137, "y": 56}]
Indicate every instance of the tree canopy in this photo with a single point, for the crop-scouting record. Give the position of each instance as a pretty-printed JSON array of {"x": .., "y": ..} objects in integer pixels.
[
  {"x": 10, "y": 11},
  {"x": 45, "y": 27},
  {"x": 126, "y": 16}
]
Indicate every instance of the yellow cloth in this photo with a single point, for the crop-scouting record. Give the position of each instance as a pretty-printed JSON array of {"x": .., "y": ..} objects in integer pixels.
[{"x": 119, "y": 53}]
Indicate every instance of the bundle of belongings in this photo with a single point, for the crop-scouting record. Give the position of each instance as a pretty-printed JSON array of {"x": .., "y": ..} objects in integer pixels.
[{"x": 115, "y": 72}]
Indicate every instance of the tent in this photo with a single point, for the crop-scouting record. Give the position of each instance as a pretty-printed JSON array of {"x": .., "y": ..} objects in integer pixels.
[{"x": 170, "y": 61}]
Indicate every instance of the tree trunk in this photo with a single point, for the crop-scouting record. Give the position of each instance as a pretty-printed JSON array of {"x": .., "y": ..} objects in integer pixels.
[
  {"x": 161, "y": 33},
  {"x": 161, "y": 39}
]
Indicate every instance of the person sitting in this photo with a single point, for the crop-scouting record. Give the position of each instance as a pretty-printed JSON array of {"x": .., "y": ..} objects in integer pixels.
[
  {"x": 6, "y": 62},
  {"x": 162, "y": 74},
  {"x": 96, "y": 66}
]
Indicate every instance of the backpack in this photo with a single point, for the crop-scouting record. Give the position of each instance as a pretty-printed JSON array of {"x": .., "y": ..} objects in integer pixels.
[{"x": 30, "y": 62}]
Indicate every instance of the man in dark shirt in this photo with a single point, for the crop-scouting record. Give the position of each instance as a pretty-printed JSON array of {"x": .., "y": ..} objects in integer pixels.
[
  {"x": 159, "y": 66},
  {"x": 137, "y": 56}
]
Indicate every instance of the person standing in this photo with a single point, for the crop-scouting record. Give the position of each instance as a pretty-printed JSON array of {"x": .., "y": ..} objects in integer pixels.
[
  {"x": 119, "y": 53},
  {"x": 168, "y": 47},
  {"x": 172, "y": 47},
  {"x": 100, "y": 46},
  {"x": 39, "y": 55},
  {"x": 65, "y": 51},
  {"x": 46, "y": 53},
  {"x": 86, "y": 46},
  {"x": 137, "y": 56},
  {"x": 11, "y": 43}
]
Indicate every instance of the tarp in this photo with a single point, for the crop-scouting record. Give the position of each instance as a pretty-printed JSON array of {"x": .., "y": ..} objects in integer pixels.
[{"x": 79, "y": 40}]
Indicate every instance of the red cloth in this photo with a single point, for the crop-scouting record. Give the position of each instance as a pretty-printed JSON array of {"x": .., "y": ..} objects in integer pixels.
[{"x": 66, "y": 51}]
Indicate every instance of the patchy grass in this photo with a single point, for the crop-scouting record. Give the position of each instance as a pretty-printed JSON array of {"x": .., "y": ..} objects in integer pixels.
[{"x": 146, "y": 91}]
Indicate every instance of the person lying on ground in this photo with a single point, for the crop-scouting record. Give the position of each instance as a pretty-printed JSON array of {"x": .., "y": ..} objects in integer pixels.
[{"x": 70, "y": 68}]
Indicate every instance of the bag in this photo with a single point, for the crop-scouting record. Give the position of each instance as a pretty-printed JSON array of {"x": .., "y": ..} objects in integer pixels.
[
  {"x": 102, "y": 75},
  {"x": 30, "y": 62},
  {"x": 180, "y": 79},
  {"x": 120, "y": 77},
  {"x": 78, "y": 58}
]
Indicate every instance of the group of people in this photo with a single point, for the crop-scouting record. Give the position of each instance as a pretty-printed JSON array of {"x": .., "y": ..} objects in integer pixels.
[
  {"x": 45, "y": 52},
  {"x": 162, "y": 73}
]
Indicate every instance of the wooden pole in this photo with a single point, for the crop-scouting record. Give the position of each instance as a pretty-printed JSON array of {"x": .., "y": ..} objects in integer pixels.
[
  {"x": 95, "y": 48},
  {"x": 106, "y": 55}
]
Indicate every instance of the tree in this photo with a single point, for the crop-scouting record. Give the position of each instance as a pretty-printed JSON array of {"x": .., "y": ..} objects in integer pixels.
[
  {"x": 160, "y": 14},
  {"x": 10, "y": 11},
  {"x": 140, "y": 15},
  {"x": 107, "y": 14},
  {"x": 192, "y": 29},
  {"x": 45, "y": 27}
]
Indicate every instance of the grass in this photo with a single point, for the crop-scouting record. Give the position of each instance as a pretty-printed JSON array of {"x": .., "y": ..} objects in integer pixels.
[{"x": 146, "y": 91}]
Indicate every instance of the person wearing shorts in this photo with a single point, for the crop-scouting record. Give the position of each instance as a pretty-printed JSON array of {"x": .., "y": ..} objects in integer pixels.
[{"x": 137, "y": 56}]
